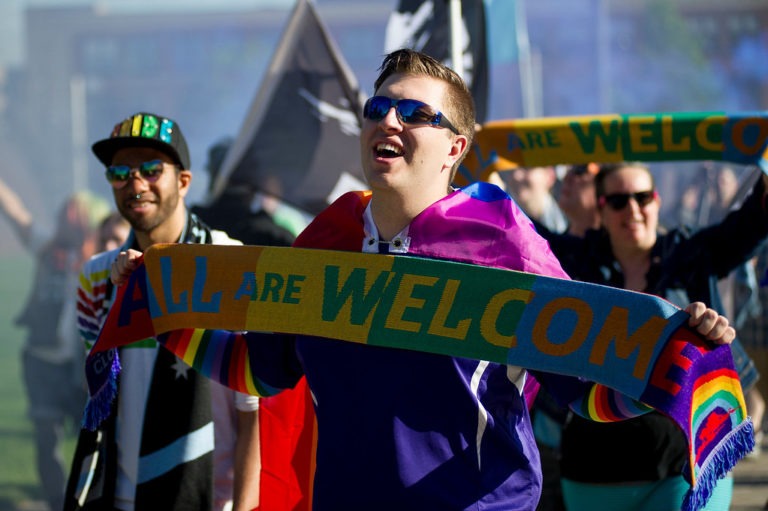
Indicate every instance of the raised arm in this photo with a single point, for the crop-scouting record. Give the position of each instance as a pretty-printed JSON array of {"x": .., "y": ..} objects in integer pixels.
[
  {"x": 734, "y": 240},
  {"x": 15, "y": 210}
]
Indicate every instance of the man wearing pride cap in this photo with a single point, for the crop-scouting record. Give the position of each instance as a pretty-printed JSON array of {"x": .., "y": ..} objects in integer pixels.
[
  {"x": 174, "y": 440},
  {"x": 145, "y": 130}
]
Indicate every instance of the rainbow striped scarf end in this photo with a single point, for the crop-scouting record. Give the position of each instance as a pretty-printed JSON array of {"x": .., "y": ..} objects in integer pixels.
[
  {"x": 100, "y": 400},
  {"x": 729, "y": 451}
]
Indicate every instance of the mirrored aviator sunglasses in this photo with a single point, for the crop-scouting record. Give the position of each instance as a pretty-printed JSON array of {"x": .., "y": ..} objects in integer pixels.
[
  {"x": 118, "y": 175},
  {"x": 409, "y": 111},
  {"x": 619, "y": 201}
]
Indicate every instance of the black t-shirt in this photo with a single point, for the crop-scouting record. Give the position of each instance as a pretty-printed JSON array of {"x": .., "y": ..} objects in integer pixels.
[
  {"x": 233, "y": 216},
  {"x": 647, "y": 448}
]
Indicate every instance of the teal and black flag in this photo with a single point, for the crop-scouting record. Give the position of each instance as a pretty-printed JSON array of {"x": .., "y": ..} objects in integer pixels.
[{"x": 424, "y": 25}]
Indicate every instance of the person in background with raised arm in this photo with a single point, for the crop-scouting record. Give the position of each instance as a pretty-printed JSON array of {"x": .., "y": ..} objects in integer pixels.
[
  {"x": 52, "y": 358},
  {"x": 636, "y": 464}
]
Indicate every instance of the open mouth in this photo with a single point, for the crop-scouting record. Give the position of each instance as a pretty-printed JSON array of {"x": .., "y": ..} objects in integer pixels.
[{"x": 385, "y": 150}]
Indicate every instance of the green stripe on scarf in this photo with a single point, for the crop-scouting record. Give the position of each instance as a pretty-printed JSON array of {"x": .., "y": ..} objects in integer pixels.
[
  {"x": 681, "y": 136},
  {"x": 636, "y": 343}
]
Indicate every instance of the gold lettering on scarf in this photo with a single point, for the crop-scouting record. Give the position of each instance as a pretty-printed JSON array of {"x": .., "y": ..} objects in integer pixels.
[
  {"x": 584, "y": 321},
  {"x": 616, "y": 331},
  {"x": 491, "y": 315}
]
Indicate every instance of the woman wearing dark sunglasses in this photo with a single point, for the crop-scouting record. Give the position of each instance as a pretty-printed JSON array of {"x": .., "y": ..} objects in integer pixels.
[{"x": 635, "y": 465}]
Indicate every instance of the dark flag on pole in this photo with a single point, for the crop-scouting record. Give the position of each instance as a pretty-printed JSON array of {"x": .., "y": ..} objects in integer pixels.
[
  {"x": 299, "y": 141},
  {"x": 424, "y": 25}
]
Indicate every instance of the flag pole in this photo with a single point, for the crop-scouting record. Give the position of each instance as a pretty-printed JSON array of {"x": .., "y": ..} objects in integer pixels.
[
  {"x": 525, "y": 62},
  {"x": 457, "y": 52}
]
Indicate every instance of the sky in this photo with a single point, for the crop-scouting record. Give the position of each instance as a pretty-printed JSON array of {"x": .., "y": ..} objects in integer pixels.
[{"x": 12, "y": 19}]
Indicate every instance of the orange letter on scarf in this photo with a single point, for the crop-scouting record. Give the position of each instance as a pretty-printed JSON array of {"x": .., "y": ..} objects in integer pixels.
[{"x": 616, "y": 329}]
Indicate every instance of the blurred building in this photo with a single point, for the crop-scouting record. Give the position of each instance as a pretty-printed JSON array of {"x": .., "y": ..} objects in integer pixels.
[
  {"x": 85, "y": 68},
  {"x": 592, "y": 56}
]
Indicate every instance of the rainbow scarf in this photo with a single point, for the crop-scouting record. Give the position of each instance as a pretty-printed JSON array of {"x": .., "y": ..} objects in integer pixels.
[
  {"x": 611, "y": 138},
  {"x": 635, "y": 343},
  {"x": 632, "y": 342}
]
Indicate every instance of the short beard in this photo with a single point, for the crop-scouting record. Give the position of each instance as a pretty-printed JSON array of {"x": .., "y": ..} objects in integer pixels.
[{"x": 148, "y": 224}]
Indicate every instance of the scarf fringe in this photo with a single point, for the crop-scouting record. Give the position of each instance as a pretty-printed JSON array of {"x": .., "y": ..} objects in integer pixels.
[
  {"x": 731, "y": 449},
  {"x": 99, "y": 405}
]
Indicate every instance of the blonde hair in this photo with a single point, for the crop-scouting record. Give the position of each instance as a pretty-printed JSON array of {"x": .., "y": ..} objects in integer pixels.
[{"x": 459, "y": 105}]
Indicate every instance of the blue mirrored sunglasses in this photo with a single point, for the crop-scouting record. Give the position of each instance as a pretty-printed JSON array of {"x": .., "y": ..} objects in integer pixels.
[
  {"x": 409, "y": 111},
  {"x": 118, "y": 175}
]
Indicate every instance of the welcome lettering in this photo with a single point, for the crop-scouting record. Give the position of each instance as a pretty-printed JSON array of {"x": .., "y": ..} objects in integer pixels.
[
  {"x": 644, "y": 137},
  {"x": 422, "y": 304},
  {"x": 405, "y": 307},
  {"x": 610, "y": 336},
  {"x": 503, "y": 145}
]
